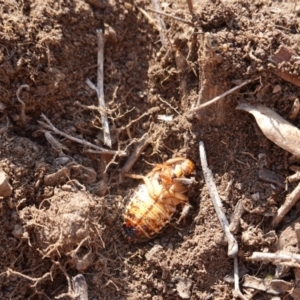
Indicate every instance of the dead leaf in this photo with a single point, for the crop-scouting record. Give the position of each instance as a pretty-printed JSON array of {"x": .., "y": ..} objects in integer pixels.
[
  {"x": 275, "y": 128},
  {"x": 271, "y": 286}
]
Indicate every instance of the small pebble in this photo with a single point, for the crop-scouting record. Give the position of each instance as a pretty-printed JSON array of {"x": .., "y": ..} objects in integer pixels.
[
  {"x": 5, "y": 187},
  {"x": 2, "y": 106},
  {"x": 255, "y": 197},
  {"x": 276, "y": 89},
  {"x": 18, "y": 231},
  {"x": 183, "y": 288}
]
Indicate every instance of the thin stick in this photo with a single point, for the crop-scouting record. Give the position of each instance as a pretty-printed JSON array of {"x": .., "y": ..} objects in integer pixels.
[
  {"x": 165, "y": 102},
  {"x": 149, "y": 112},
  {"x": 100, "y": 88},
  {"x": 232, "y": 243},
  {"x": 190, "y": 5},
  {"x": 236, "y": 273},
  {"x": 56, "y": 145},
  {"x": 170, "y": 16},
  {"x": 27, "y": 88},
  {"x": 219, "y": 97},
  {"x": 294, "y": 177},
  {"x": 237, "y": 292},
  {"x": 139, "y": 148},
  {"x": 36, "y": 280},
  {"x": 50, "y": 126},
  {"x": 208, "y": 176},
  {"x": 98, "y": 108},
  {"x": 278, "y": 258},
  {"x": 289, "y": 202},
  {"x": 161, "y": 23},
  {"x": 91, "y": 85},
  {"x": 150, "y": 19},
  {"x": 236, "y": 217},
  {"x": 70, "y": 293}
]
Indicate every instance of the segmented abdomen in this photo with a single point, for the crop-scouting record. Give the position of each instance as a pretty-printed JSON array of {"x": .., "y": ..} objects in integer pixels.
[{"x": 144, "y": 216}]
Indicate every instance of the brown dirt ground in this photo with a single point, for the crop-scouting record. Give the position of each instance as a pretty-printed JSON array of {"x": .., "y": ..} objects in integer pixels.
[{"x": 51, "y": 46}]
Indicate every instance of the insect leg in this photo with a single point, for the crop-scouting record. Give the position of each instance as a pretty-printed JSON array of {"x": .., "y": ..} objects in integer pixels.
[
  {"x": 184, "y": 212},
  {"x": 175, "y": 160},
  {"x": 134, "y": 176},
  {"x": 173, "y": 198}
]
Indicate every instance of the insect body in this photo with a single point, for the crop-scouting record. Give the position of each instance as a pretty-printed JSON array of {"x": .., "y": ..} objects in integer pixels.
[{"x": 154, "y": 202}]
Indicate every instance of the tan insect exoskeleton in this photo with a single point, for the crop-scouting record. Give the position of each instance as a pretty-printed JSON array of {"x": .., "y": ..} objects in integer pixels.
[{"x": 154, "y": 202}]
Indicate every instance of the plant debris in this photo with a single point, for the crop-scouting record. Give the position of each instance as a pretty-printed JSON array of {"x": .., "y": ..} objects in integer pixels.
[{"x": 63, "y": 189}]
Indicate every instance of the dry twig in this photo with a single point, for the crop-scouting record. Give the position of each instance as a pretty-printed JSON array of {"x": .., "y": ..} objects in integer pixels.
[
  {"x": 27, "y": 88},
  {"x": 70, "y": 292},
  {"x": 150, "y": 19},
  {"x": 48, "y": 125},
  {"x": 170, "y": 16},
  {"x": 56, "y": 145},
  {"x": 193, "y": 110},
  {"x": 149, "y": 112},
  {"x": 161, "y": 23},
  {"x": 144, "y": 141},
  {"x": 237, "y": 292},
  {"x": 37, "y": 280},
  {"x": 236, "y": 217},
  {"x": 190, "y": 5},
  {"x": 289, "y": 202},
  {"x": 232, "y": 243},
  {"x": 168, "y": 104},
  {"x": 294, "y": 177},
  {"x": 278, "y": 258},
  {"x": 208, "y": 176},
  {"x": 100, "y": 89}
]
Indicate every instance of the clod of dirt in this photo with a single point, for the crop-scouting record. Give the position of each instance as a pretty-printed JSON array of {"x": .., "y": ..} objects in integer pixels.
[
  {"x": 59, "y": 177},
  {"x": 255, "y": 236},
  {"x": 183, "y": 288},
  {"x": 155, "y": 254},
  {"x": 18, "y": 231},
  {"x": 5, "y": 187},
  {"x": 71, "y": 171},
  {"x": 69, "y": 222},
  {"x": 82, "y": 263},
  {"x": 282, "y": 58},
  {"x": 99, "y": 188}
]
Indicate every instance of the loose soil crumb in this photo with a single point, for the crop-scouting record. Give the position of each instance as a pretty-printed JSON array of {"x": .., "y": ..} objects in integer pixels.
[
  {"x": 64, "y": 216},
  {"x": 64, "y": 225}
]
